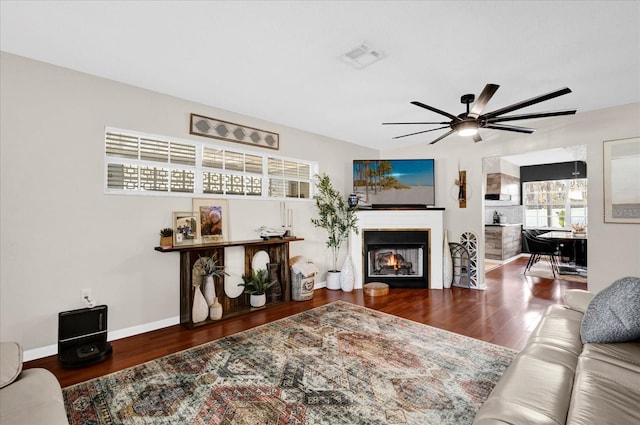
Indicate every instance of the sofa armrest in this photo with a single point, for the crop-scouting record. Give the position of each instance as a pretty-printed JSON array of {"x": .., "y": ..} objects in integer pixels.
[
  {"x": 10, "y": 362},
  {"x": 578, "y": 299}
]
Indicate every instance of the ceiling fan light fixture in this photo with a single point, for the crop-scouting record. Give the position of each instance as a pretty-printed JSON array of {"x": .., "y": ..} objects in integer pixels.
[
  {"x": 467, "y": 123},
  {"x": 466, "y": 129}
]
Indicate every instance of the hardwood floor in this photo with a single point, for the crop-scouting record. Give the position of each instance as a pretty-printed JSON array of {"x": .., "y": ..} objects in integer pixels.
[{"x": 504, "y": 314}]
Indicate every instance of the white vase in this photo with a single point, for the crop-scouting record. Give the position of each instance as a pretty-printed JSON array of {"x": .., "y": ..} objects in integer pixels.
[
  {"x": 200, "y": 309},
  {"x": 333, "y": 280},
  {"x": 215, "y": 310},
  {"x": 258, "y": 300},
  {"x": 447, "y": 264},
  {"x": 346, "y": 275},
  {"x": 208, "y": 289}
]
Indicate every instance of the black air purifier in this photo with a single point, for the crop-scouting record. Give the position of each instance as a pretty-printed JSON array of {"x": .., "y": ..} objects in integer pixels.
[{"x": 82, "y": 337}]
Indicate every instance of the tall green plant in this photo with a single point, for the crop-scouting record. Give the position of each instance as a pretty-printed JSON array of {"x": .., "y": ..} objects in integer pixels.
[{"x": 334, "y": 215}]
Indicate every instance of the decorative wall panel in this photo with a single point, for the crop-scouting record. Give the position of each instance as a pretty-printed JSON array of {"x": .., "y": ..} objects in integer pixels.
[{"x": 224, "y": 130}]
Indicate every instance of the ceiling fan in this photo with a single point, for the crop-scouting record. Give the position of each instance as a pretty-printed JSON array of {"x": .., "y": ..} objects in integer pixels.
[{"x": 468, "y": 123}]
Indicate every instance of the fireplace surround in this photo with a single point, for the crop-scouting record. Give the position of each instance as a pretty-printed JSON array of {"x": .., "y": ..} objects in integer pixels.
[
  {"x": 421, "y": 221},
  {"x": 399, "y": 258}
]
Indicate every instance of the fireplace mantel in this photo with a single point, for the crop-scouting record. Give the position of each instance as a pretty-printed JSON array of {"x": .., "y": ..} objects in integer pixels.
[{"x": 432, "y": 219}]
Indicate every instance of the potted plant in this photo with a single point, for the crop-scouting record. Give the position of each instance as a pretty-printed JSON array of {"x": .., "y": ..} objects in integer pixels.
[
  {"x": 166, "y": 237},
  {"x": 256, "y": 283},
  {"x": 337, "y": 218}
]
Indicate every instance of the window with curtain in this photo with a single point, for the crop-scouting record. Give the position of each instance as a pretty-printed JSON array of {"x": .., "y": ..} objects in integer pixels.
[{"x": 137, "y": 163}]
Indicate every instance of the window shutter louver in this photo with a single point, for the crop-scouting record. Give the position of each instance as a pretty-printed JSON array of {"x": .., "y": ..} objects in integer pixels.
[{"x": 139, "y": 163}]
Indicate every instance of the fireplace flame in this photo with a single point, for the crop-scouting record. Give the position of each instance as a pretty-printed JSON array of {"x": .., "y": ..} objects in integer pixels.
[{"x": 393, "y": 262}]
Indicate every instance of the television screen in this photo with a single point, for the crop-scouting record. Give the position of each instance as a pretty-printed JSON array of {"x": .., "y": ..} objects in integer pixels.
[{"x": 394, "y": 182}]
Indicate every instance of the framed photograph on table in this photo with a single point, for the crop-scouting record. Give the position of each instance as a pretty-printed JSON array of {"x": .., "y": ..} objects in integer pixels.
[
  {"x": 622, "y": 180},
  {"x": 214, "y": 219},
  {"x": 186, "y": 228}
]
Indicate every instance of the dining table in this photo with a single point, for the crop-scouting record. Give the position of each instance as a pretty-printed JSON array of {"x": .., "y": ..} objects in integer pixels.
[{"x": 575, "y": 244}]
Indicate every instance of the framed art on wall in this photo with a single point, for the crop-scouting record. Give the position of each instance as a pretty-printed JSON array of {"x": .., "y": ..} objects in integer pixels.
[
  {"x": 186, "y": 228},
  {"x": 214, "y": 219},
  {"x": 622, "y": 180}
]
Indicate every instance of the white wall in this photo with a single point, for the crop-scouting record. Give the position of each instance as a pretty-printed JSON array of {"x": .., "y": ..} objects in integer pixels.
[
  {"x": 614, "y": 249},
  {"x": 60, "y": 234}
]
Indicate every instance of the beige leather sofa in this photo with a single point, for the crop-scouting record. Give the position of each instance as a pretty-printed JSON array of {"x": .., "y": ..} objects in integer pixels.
[
  {"x": 28, "y": 397},
  {"x": 556, "y": 379}
]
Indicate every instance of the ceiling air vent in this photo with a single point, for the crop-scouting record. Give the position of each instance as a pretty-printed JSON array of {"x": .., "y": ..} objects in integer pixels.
[{"x": 362, "y": 56}]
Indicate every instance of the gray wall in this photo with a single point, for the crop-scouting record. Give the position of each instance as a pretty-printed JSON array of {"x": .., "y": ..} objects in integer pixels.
[{"x": 61, "y": 234}]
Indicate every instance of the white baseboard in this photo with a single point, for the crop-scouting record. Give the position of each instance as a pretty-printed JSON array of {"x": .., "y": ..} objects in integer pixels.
[{"x": 52, "y": 350}]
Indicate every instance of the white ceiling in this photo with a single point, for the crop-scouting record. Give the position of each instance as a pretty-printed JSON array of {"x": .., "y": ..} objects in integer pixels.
[{"x": 278, "y": 61}]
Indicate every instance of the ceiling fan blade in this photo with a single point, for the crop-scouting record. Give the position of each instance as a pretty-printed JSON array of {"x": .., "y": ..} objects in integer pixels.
[
  {"x": 526, "y": 103},
  {"x": 532, "y": 116},
  {"x": 409, "y": 123},
  {"x": 510, "y": 128},
  {"x": 436, "y": 110},
  {"x": 486, "y": 95},
  {"x": 477, "y": 138},
  {"x": 442, "y": 137},
  {"x": 420, "y": 132}
]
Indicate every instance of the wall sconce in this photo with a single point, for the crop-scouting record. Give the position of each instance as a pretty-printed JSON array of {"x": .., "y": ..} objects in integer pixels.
[{"x": 461, "y": 182}]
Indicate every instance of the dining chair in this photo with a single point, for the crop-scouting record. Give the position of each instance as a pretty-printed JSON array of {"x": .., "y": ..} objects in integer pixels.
[{"x": 539, "y": 248}]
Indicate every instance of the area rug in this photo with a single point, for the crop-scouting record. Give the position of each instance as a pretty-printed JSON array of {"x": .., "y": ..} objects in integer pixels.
[
  {"x": 543, "y": 269},
  {"x": 335, "y": 364}
]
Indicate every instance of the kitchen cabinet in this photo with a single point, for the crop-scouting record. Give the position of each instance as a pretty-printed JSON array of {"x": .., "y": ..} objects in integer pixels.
[
  {"x": 502, "y": 241},
  {"x": 505, "y": 185}
]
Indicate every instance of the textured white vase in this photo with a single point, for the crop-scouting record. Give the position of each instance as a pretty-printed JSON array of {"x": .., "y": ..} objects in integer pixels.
[
  {"x": 346, "y": 275},
  {"x": 333, "y": 280},
  {"x": 208, "y": 289},
  {"x": 215, "y": 310},
  {"x": 258, "y": 300},
  {"x": 200, "y": 309},
  {"x": 447, "y": 264}
]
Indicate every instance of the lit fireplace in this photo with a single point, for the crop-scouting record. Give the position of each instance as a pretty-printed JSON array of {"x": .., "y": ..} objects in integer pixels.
[
  {"x": 397, "y": 257},
  {"x": 394, "y": 261},
  {"x": 430, "y": 220}
]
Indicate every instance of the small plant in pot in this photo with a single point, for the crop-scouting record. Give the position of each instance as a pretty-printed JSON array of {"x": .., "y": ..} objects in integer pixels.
[
  {"x": 166, "y": 237},
  {"x": 337, "y": 218},
  {"x": 256, "y": 283}
]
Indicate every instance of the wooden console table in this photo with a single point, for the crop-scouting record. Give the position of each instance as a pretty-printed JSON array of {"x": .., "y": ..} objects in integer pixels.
[{"x": 278, "y": 250}]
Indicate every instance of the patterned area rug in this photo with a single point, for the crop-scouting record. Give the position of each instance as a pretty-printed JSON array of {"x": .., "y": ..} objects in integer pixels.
[{"x": 335, "y": 364}]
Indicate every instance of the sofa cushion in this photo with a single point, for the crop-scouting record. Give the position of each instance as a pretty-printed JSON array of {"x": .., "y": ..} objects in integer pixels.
[
  {"x": 535, "y": 389},
  {"x": 559, "y": 327},
  {"x": 10, "y": 362},
  {"x": 578, "y": 299},
  {"x": 606, "y": 388},
  {"x": 612, "y": 314}
]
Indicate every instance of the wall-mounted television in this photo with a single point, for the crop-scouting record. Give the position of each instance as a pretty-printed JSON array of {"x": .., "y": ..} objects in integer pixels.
[{"x": 381, "y": 183}]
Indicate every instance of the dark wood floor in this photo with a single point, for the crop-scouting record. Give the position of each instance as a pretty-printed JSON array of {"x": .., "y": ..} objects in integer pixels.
[{"x": 504, "y": 314}]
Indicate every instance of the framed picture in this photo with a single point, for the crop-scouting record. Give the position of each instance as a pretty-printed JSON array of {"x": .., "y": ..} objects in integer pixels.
[
  {"x": 622, "y": 180},
  {"x": 186, "y": 228},
  {"x": 231, "y": 132},
  {"x": 214, "y": 219}
]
